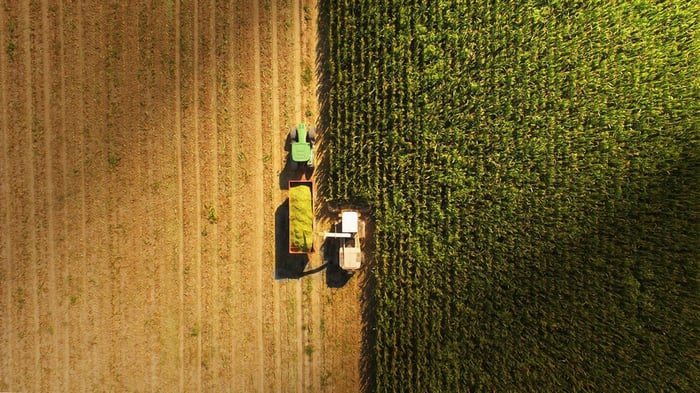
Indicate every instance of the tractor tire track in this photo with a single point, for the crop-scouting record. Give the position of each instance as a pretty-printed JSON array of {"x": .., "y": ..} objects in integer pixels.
[
  {"x": 277, "y": 197},
  {"x": 248, "y": 198},
  {"x": 292, "y": 327},
  {"x": 205, "y": 74},
  {"x": 198, "y": 207},
  {"x": 270, "y": 144},
  {"x": 213, "y": 307},
  {"x": 224, "y": 329},
  {"x": 143, "y": 239},
  {"x": 297, "y": 115},
  {"x": 82, "y": 252},
  {"x": 259, "y": 195},
  {"x": 34, "y": 371},
  {"x": 308, "y": 18},
  {"x": 98, "y": 161},
  {"x": 75, "y": 317},
  {"x": 191, "y": 197},
  {"x": 165, "y": 234},
  {"x": 180, "y": 191},
  {"x": 54, "y": 179},
  {"x": 63, "y": 342},
  {"x": 149, "y": 313},
  {"x": 125, "y": 174},
  {"x": 6, "y": 273}
]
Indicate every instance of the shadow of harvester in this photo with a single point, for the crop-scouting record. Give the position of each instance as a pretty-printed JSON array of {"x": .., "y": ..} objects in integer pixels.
[{"x": 335, "y": 276}]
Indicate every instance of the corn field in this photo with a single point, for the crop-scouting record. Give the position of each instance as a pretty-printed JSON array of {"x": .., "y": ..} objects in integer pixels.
[{"x": 532, "y": 167}]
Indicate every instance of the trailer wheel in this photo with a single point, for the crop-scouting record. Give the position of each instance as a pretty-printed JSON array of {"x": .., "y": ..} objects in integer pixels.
[{"x": 293, "y": 134}]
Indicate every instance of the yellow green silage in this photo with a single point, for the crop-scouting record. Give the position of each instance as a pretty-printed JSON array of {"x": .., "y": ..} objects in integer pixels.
[{"x": 301, "y": 217}]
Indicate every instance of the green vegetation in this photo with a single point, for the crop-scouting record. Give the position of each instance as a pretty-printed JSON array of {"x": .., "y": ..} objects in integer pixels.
[
  {"x": 211, "y": 215},
  {"x": 533, "y": 171},
  {"x": 11, "y": 50},
  {"x": 113, "y": 160},
  {"x": 306, "y": 74},
  {"x": 301, "y": 217}
]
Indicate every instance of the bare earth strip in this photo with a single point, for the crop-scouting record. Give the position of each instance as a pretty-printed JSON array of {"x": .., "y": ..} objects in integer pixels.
[
  {"x": 142, "y": 196},
  {"x": 7, "y": 287},
  {"x": 32, "y": 282},
  {"x": 247, "y": 201},
  {"x": 275, "y": 194},
  {"x": 223, "y": 355},
  {"x": 97, "y": 279},
  {"x": 75, "y": 316},
  {"x": 207, "y": 70},
  {"x": 270, "y": 187},
  {"x": 55, "y": 42},
  {"x": 48, "y": 280}
]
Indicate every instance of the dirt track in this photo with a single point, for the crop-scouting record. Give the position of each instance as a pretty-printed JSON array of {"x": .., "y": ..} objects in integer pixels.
[{"x": 141, "y": 189}]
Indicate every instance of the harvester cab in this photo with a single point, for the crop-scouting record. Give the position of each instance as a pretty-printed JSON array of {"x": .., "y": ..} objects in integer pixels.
[{"x": 302, "y": 145}]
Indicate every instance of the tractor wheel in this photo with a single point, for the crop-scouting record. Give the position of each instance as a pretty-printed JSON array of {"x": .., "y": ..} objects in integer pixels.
[
  {"x": 312, "y": 134},
  {"x": 293, "y": 134}
]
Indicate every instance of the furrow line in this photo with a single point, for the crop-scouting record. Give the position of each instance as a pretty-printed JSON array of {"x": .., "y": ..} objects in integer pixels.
[
  {"x": 115, "y": 318},
  {"x": 6, "y": 283},
  {"x": 277, "y": 197},
  {"x": 81, "y": 271},
  {"x": 147, "y": 149},
  {"x": 214, "y": 312},
  {"x": 235, "y": 230},
  {"x": 48, "y": 135},
  {"x": 34, "y": 375},
  {"x": 309, "y": 19},
  {"x": 192, "y": 206},
  {"x": 65, "y": 349},
  {"x": 299, "y": 292},
  {"x": 181, "y": 236},
  {"x": 198, "y": 193},
  {"x": 269, "y": 136},
  {"x": 259, "y": 194},
  {"x": 226, "y": 256}
]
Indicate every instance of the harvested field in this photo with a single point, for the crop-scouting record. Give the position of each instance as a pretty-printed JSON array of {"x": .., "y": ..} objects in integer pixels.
[{"x": 141, "y": 163}]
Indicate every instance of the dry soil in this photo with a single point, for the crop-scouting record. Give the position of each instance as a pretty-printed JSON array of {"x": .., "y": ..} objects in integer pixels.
[{"x": 142, "y": 201}]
